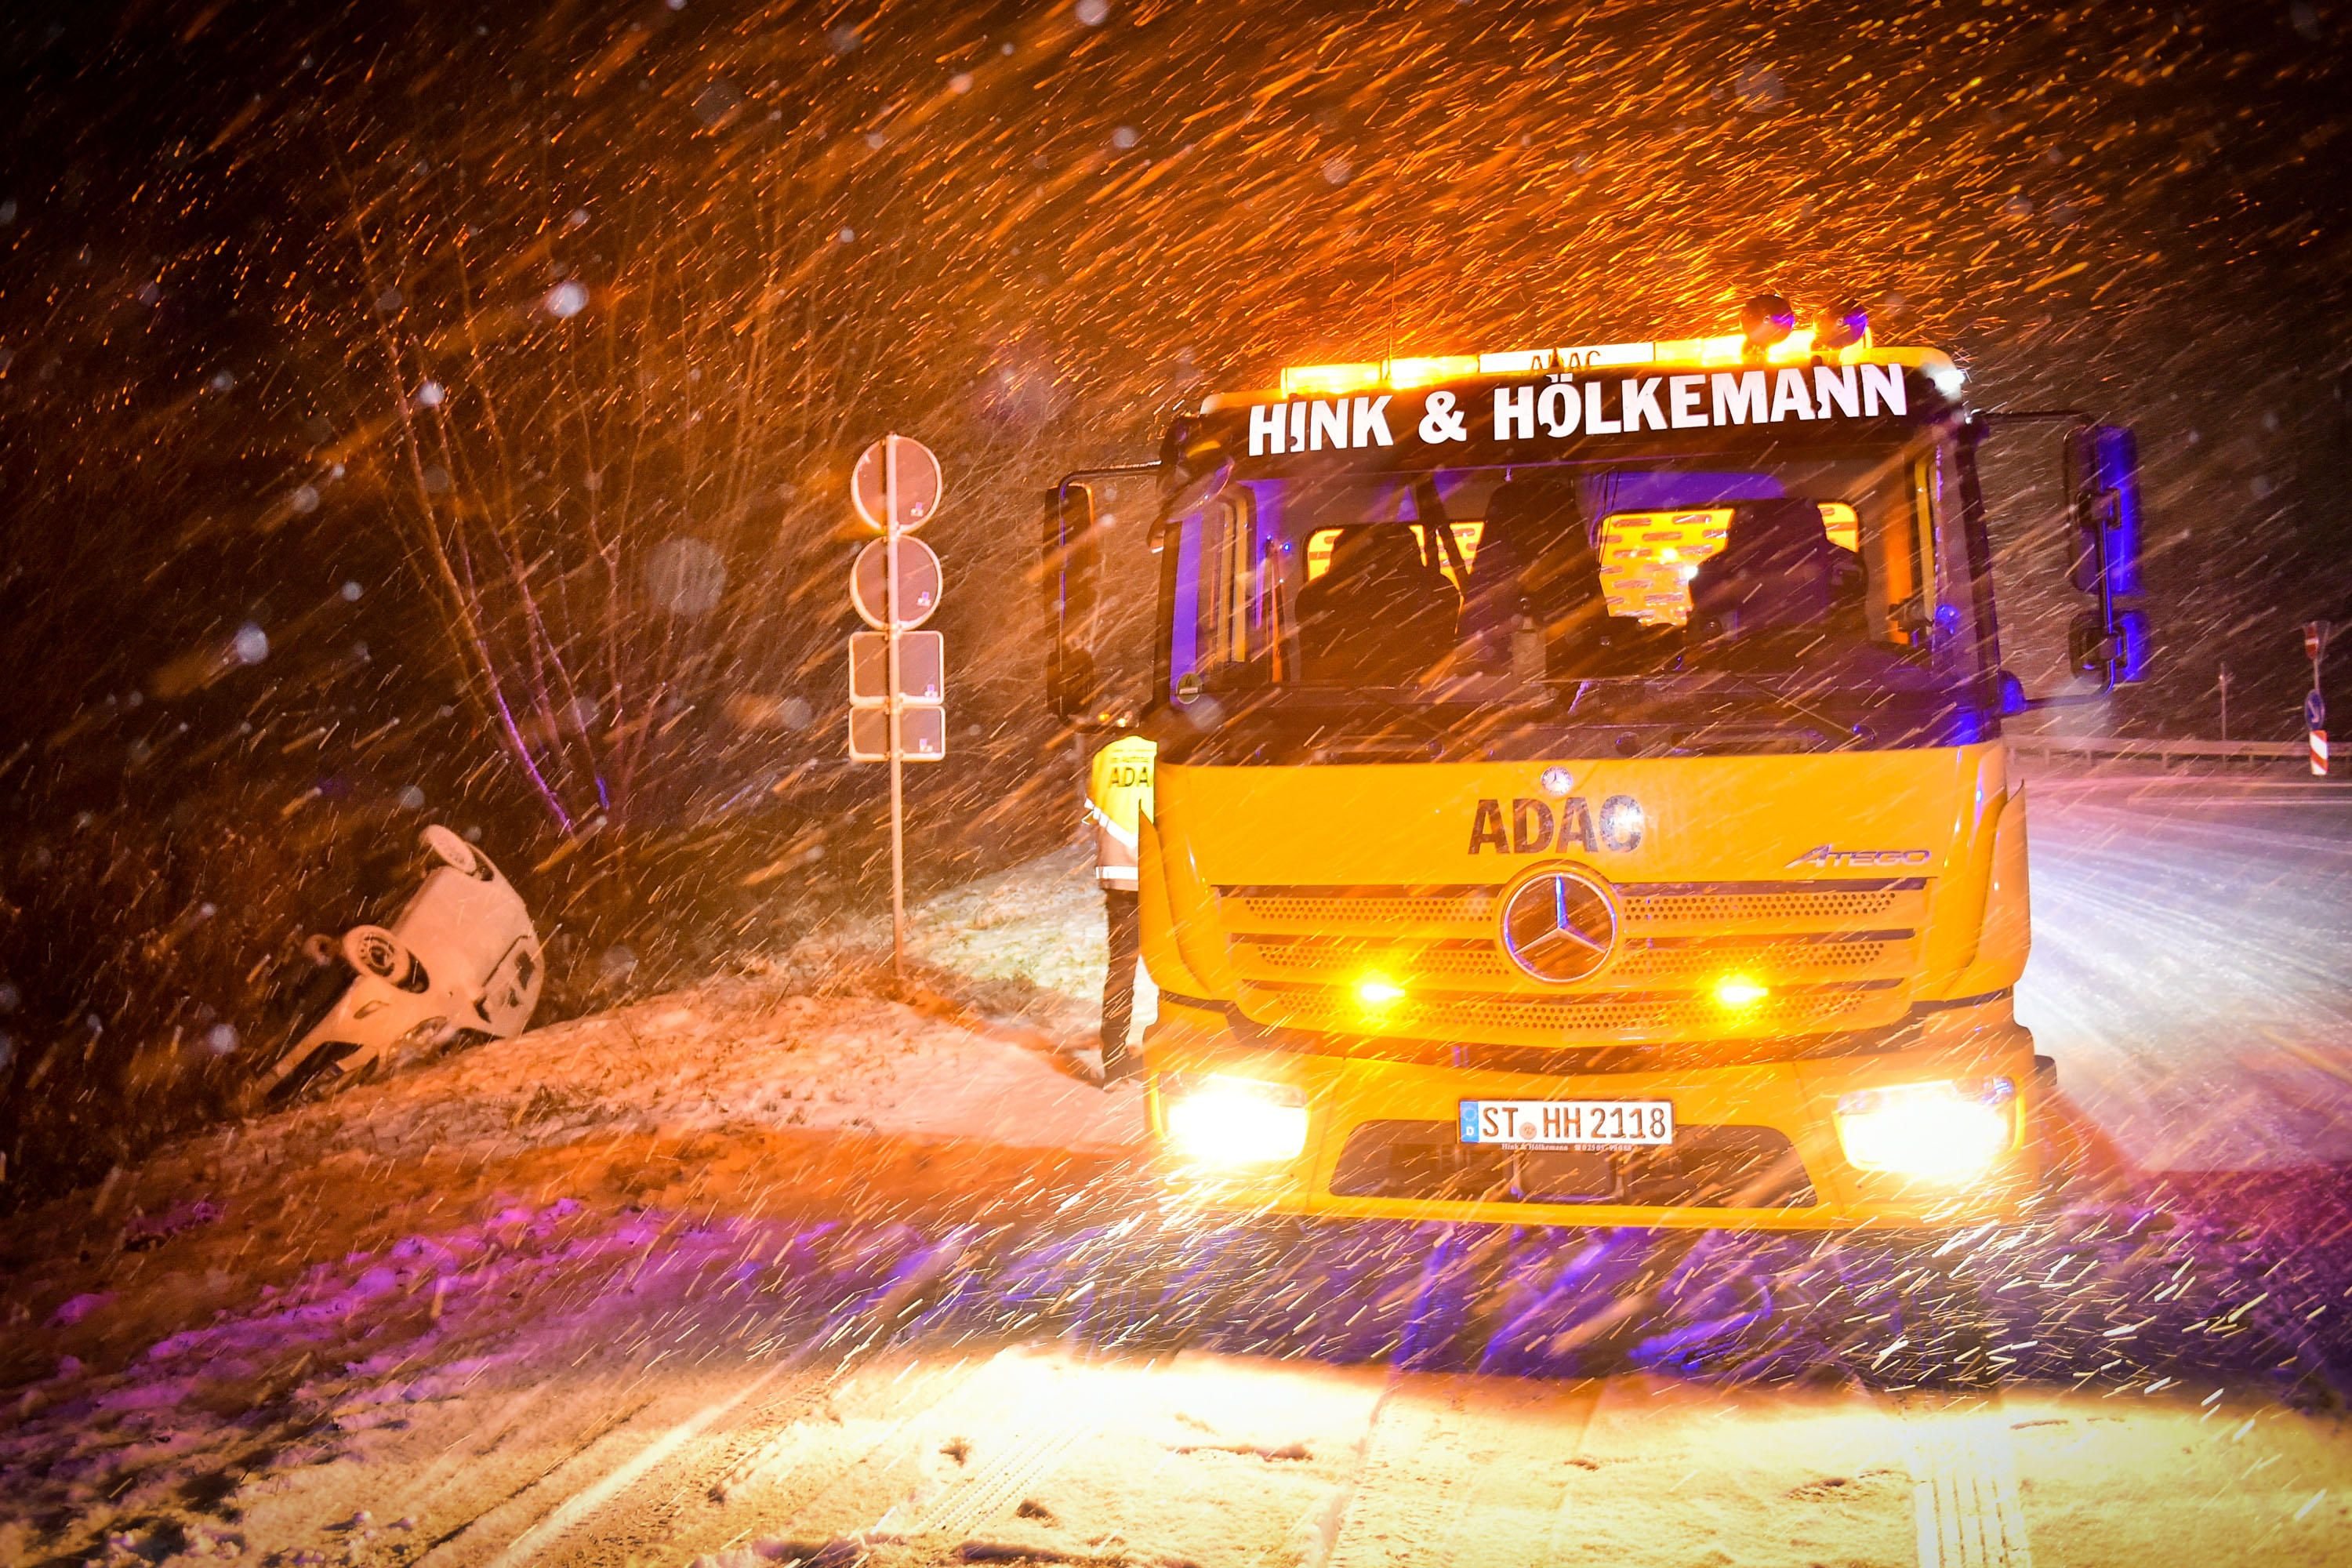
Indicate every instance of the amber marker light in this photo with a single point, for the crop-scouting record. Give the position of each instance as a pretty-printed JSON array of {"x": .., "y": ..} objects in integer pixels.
[
  {"x": 1326, "y": 380},
  {"x": 1738, "y": 993},
  {"x": 1409, "y": 372},
  {"x": 1768, "y": 334}
]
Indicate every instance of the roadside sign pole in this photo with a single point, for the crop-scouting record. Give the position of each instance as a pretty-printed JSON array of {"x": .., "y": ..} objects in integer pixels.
[
  {"x": 895, "y": 586},
  {"x": 896, "y": 706}
]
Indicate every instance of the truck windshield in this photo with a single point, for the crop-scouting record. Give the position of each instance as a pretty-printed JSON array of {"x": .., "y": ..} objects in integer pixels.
[{"x": 1797, "y": 570}]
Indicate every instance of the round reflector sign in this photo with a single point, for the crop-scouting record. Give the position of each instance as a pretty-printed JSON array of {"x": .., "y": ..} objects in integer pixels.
[
  {"x": 919, "y": 583},
  {"x": 918, "y": 483}
]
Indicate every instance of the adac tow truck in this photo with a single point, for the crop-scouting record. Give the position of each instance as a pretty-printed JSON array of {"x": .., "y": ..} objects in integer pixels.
[{"x": 1580, "y": 793}]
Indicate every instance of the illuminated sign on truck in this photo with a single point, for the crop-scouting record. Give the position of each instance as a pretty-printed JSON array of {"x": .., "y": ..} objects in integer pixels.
[{"x": 1564, "y": 406}]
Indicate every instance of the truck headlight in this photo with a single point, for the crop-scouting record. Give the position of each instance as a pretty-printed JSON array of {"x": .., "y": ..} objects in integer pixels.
[
  {"x": 1217, "y": 1120},
  {"x": 1945, "y": 1131}
]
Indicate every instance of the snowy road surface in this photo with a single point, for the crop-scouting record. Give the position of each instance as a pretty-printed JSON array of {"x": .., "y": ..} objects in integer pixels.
[
  {"x": 2193, "y": 964},
  {"x": 776, "y": 1270}
]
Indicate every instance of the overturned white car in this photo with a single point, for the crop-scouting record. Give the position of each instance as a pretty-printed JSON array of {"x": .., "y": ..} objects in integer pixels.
[{"x": 460, "y": 959}]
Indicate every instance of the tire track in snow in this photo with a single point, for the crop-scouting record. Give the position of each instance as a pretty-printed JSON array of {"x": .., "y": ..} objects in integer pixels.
[
  {"x": 811, "y": 1483},
  {"x": 1965, "y": 1496},
  {"x": 1444, "y": 1477},
  {"x": 595, "y": 1435},
  {"x": 877, "y": 1313},
  {"x": 890, "y": 1489},
  {"x": 971, "y": 1500}
]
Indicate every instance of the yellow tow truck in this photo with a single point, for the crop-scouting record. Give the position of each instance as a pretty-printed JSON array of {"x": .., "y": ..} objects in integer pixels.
[{"x": 1581, "y": 797}]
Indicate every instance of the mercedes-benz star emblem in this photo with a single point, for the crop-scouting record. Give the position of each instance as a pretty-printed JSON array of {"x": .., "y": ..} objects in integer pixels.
[{"x": 1561, "y": 925}]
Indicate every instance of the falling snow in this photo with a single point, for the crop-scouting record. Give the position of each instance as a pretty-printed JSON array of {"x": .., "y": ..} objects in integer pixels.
[{"x": 452, "y": 407}]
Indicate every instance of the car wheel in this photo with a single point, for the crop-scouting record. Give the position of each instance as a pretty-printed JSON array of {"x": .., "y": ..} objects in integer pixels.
[
  {"x": 374, "y": 952},
  {"x": 453, "y": 852}
]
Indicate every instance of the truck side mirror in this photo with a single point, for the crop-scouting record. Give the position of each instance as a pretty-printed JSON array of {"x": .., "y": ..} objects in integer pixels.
[
  {"x": 2013, "y": 700},
  {"x": 2130, "y": 663},
  {"x": 2103, "y": 551},
  {"x": 1072, "y": 568},
  {"x": 2088, "y": 647},
  {"x": 2103, "y": 470}
]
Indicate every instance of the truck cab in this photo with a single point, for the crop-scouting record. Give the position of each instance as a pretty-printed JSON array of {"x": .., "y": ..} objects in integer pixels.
[{"x": 1580, "y": 791}]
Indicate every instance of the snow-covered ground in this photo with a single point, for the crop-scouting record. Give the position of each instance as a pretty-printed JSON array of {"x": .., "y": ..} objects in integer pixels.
[
  {"x": 779, "y": 1268},
  {"x": 231, "y": 1272}
]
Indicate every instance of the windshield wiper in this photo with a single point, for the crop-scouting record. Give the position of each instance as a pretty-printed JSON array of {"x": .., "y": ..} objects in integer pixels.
[
  {"x": 1659, "y": 708},
  {"x": 1829, "y": 726}
]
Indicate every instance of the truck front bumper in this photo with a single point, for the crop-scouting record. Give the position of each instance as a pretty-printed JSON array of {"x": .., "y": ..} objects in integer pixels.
[{"x": 1776, "y": 1145}]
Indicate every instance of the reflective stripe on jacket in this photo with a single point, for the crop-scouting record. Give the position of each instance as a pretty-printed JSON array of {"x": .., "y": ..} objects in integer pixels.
[{"x": 1118, "y": 793}]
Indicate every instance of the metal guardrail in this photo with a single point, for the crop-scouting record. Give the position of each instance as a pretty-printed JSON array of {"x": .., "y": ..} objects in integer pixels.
[{"x": 2108, "y": 748}]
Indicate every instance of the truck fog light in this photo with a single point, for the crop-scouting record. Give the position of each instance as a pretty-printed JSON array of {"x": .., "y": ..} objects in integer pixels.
[
  {"x": 1736, "y": 993},
  {"x": 1221, "y": 1120},
  {"x": 1375, "y": 992},
  {"x": 1947, "y": 1132}
]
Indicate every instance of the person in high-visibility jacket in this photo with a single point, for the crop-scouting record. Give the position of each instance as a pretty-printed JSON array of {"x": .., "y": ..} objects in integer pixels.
[{"x": 1118, "y": 793}]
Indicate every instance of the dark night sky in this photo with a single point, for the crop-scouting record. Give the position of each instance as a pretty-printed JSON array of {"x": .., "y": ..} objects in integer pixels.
[{"x": 2138, "y": 209}]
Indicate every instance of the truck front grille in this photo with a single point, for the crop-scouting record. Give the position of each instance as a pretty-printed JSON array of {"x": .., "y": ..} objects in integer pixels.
[
  {"x": 1649, "y": 906},
  {"x": 1315, "y": 911},
  {"x": 1623, "y": 1019},
  {"x": 1836, "y": 954},
  {"x": 1866, "y": 955}
]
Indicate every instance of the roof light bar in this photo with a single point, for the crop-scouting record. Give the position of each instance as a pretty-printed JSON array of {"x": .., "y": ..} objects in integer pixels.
[
  {"x": 1519, "y": 362},
  {"x": 1396, "y": 375},
  {"x": 1332, "y": 380},
  {"x": 1425, "y": 372}
]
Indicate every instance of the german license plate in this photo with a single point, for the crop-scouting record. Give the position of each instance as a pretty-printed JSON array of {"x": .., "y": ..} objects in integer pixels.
[{"x": 1567, "y": 1123}]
